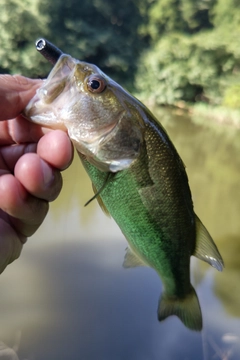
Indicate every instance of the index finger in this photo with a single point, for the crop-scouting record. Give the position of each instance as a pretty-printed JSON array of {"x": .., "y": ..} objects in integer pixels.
[
  {"x": 15, "y": 93},
  {"x": 20, "y": 130}
]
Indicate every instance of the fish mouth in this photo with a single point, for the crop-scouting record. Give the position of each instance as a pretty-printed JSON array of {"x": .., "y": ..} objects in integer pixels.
[{"x": 59, "y": 80}]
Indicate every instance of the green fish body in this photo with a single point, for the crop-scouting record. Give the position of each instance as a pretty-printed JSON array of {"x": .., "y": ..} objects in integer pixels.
[{"x": 137, "y": 175}]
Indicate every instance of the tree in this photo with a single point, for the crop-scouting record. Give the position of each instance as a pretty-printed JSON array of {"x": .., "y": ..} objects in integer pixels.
[
  {"x": 20, "y": 25},
  {"x": 101, "y": 31},
  {"x": 168, "y": 49},
  {"x": 191, "y": 60}
]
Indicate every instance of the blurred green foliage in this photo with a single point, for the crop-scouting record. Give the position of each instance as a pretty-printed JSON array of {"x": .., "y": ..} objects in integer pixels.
[
  {"x": 232, "y": 96},
  {"x": 193, "y": 54},
  {"x": 98, "y": 31},
  {"x": 165, "y": 50}
]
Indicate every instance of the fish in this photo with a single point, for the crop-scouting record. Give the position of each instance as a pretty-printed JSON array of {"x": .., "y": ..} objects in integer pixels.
[{"x": 137, "y": 175}]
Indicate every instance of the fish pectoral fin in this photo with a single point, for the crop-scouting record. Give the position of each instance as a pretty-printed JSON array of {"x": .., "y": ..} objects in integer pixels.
[
  {"x": 188, "y": 309},
  {"x": 100, "y": 202},
  {"x": 206, "y": 249},
  {"x": 131, "y": 260},
  {"x": 97, "y": 195}
]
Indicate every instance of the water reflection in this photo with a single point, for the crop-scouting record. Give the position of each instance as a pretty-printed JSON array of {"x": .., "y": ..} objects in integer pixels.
[
  {"x": 7, "y": 353},
  {"x": 70, "y": 298},
  {"x": 227, "y": 287}
]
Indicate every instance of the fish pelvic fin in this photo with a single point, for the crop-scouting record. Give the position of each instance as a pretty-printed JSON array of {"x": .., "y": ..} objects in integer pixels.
[
  {"x": 131, "y": 260},
  {"x": 206, "y": 249},
  {"x": 187, "y": 309}
]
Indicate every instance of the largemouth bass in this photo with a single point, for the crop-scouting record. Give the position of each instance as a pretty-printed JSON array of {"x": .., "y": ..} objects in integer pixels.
[{"x": 137, "y": 176}]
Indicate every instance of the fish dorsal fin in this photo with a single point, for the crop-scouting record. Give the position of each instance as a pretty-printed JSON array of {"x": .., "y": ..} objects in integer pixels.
[
  {"x": 131, "y": 260},
  {"x": 206, "y": 249},
  {"x": 100, "y": 202}
]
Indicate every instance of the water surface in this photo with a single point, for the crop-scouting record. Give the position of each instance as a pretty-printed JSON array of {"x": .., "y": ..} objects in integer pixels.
[{"x": 69, "y": 298}]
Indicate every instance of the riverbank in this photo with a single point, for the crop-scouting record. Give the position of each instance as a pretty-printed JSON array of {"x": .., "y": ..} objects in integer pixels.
[
  {"x": 218, "y": 114},
  {"x": 200, "y": 112}
]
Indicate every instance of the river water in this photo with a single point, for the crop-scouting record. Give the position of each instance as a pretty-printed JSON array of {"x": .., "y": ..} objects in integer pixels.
[{"x": 67, "y": 297}]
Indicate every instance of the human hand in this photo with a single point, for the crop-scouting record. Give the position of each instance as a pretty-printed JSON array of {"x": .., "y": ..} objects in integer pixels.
[{"x": 31, "y": 159}]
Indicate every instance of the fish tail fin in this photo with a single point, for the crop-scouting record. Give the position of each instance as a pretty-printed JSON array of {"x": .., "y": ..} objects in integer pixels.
[{"x": 187, "y": 309}]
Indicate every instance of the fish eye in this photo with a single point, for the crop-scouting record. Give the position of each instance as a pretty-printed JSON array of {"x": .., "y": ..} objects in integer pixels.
[{"x": 96, "y": 84}]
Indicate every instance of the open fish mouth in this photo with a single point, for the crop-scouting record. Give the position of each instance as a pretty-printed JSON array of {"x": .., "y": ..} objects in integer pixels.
[
  {"x": 45, "y": 105},
  {"x": 57, "y": 80}
]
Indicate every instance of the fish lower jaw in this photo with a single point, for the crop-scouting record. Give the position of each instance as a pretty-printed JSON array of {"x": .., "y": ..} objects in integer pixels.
[{"x": 51, "y": 122}]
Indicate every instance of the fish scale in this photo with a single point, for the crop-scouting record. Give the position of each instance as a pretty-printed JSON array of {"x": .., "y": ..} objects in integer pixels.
[{"x": 150, "y": 232}]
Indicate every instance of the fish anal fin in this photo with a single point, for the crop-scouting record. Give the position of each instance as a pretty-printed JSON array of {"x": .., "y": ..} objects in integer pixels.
[
  {"x": 206, "y": 249},
  {"x": 188, "y": 309},
  {"x": 131, "y": 260},
  {"x": 100, "y": 202}
]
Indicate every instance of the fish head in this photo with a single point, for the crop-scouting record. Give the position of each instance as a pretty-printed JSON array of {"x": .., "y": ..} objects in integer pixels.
[{"x": 97, "y": 113}]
